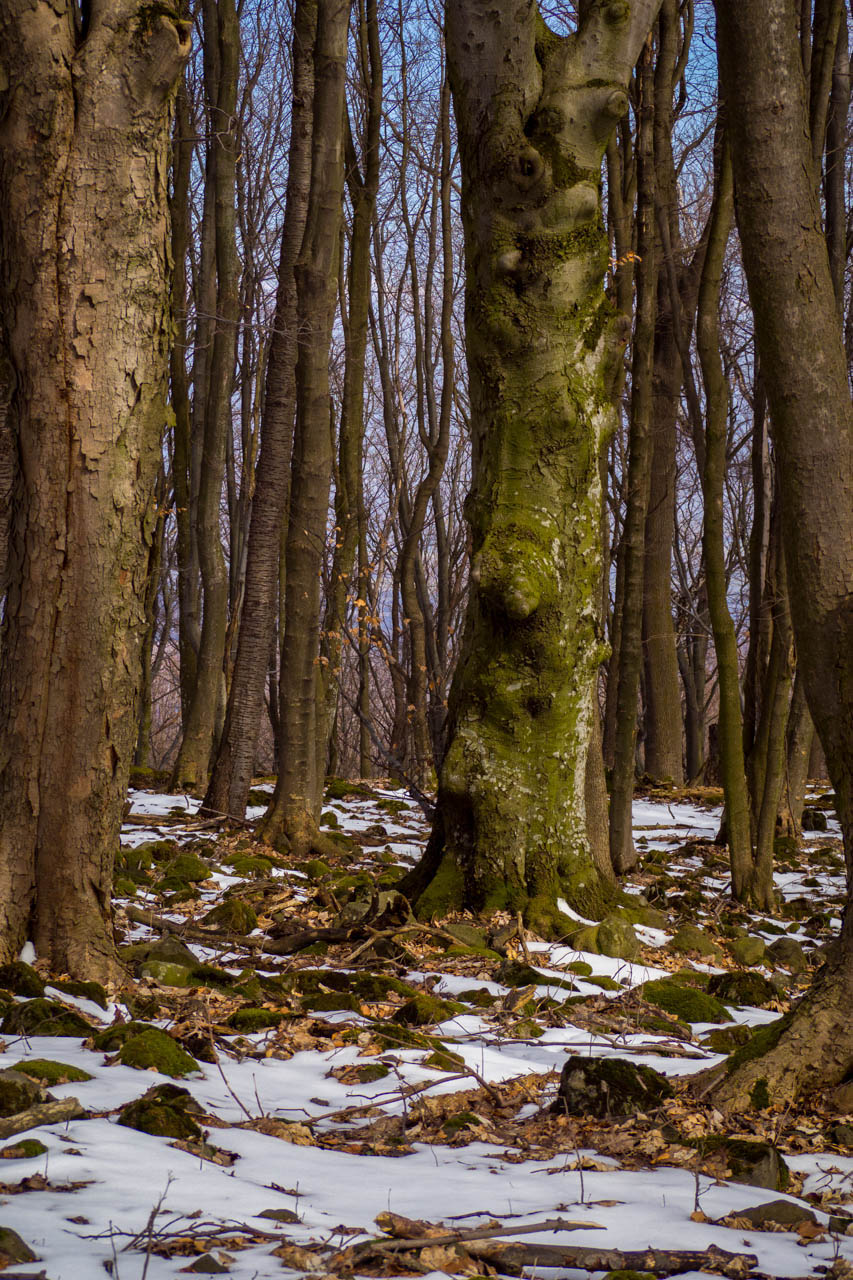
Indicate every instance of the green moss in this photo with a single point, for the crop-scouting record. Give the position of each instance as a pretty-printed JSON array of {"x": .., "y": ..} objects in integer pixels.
[
  {"x": 444, "y": 1060},
  {"x": 187, "y": 867},
  {"x": 232, "y": 915},
  {"x": 154, "y": 1048},
  {"x": 250, "y": 868},
  {"x": 445, "y": 892},
  {"x": 329, "y": 1001},
  {"x": 328, "y": 818},
  {"x": 112, "y": 1038},
  {"x": 26, "y": 1149},
  {"x": 21, "y": 979},
  {"x": 759, "y": 1097},
  {"x": 84, "y": 991},
  {"x": 760, "y": 1043},
  {"x": 371, "y": 1072},
  {"x": 580, "y": 967},
  {"x": 124, "y": 888},
  {"x": 250, "y": 1020},
  {"x": 377, "y": 986},
  {"x": 316, "y": 869},
  {"x": 17, "y": 1092},
  {"x": 684, "y": 1002},
  {"x": 163, "y": 1111},
  {"x": 342, "y": 789},
  {"x": 425, "y": 1010},
  {"x": 479, "y": 997},
  {"x": 50, "y": 1073},
  {"x": 44, "y": 1018}
]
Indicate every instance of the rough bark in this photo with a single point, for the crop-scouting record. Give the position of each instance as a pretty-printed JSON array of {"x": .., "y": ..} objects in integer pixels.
[
  {"x": 791, "y": 289},
  {"x": 231, "y": 776},
  {"x": 534, "y": 113},
  {"x": 84, "y": 135}
]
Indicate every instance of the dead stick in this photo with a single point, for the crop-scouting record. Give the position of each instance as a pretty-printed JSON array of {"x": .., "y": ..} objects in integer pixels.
[
  {"x": 476, "y": 1233},
  {"x": 514, "y": 1258},
  {"x": 43, "y": 1113}
]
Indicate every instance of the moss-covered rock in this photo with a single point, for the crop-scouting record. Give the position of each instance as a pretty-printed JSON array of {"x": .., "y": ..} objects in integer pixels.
[
  {"x": 188, "y": 867},
  {"x": 479, "y": 997},
  {"x": 586, "y": 939},
  {"x": 164, "y": 1111},
  {"x": 143, "y": 855},
  {"x": 760, "y": 1043},
  {"x": 21, "y": 979},
  {"x": 250, "y": 866},
  {"x": 727, "y": 1039},
  {"x": 373, "y": 987},
  {"x": 316, "y": 869},
  {"x": 468, "y": 934},
  {"x": 813, "y": 819},
  {"x": 605, "y": 1087},
  {"x": 789, "y": 954},
  {"x": 758, "y": 1164},
  {"x": 513, "y": 973},
  {"x": 232, "y": 915},
  {"x": 743, "y": 988},
  {"x": 50, "y": 1073},
  {"x": 616, "y": 937},
  {"x": 684, "y": 1002},
  {"x": 44, "y": 1018},
  {"x": 17, "y": 1093},
  {"x": 694, "y": 941},
  {"x": 155, "y": 1049},
  {"x": 425, "y": 1010},
  {"x": 25, "y": 1149},
  {"x": 748, "y": 951},
  {"x": 331, "y": 1001},
  {"x": 167, "y": 974},
  {"x": 169, "y": 949},
  {"x": 83, "y": 991},
  {"x": 124, "y": 887},
  {"x": 13, "y": 1249}
]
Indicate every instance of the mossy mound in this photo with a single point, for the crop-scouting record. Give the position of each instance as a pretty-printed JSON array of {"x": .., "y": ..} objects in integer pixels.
[
  {"x": 727, "y": 1039},
  {"x": 187, "y": 867},
  {"x": 17, "y": 1093},
  {"x": 50, "y": 1073},
  {"x": 331, "y": 1001},
  {"x": 425, "y": 1010},
  {"x": 124, "y": 887},
  {"x": 376, "y": 987},
  {"x": 789, "y": 954},
  {"x": 513, "y": 973},
  {"x": 13, "y": 1249},
  {"x": 233, "y": 915},
  {"x": 112, "y": 1038},
  {"x": 155, "y": 1049},
  {"x": 342, "y": 789},
  {"x": 84, "y": 991},
  {"x": 743, "y": 988},
  {"x": 371, "y": 1072},
  {"x": 759, "y": 1043},
  {"x": 250, "y": 866},
  {"x": 44, "y": 1018},
  {"x": 153, "y": 851},
  {"x": 26, "y": 1149},
  {"x": 813, "y": 819},
  {"x": 169, "y": 949},
  {"x": 444, "y": 1060},
  {"x": 605, "y": 1087},
  {"x": 315, "y": 981},
  {"x": 21, "y": 979},
  {"x": 317, "y": 869},
  {"x": 580, "y": 967},
  {"x": 479, "y": 997},
  {"x": 615, "y": 937},
  {"x": 684, "y": 1002},
  {"x": 748, "y": 951},
  {"x": 758, "y": 1164},
  {"x": 167, "y": 974},
  {"x": 691, "y": 940},
  {"x": 165, "y": 1112}
]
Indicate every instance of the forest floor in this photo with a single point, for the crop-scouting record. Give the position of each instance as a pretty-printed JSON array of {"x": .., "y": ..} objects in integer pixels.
[{"x": 355, "y": 1106}]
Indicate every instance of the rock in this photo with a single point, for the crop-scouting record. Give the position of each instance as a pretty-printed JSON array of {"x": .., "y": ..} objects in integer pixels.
[
  {"x": 586, "y": 939},
  {"x": 112, "y": 1038},
  {"x": 727, "y": 1039},
  {"x": 166, "y": 973},
  {"x": 743, "y": 988},
  {"x": 84, "y": 991},
  {"x": 13, "y": 1249},
  {"x": 758, "y": 1164},
  {"x": 748, "y": 951},
  {"x": 169, "y": 949},
  {"x": 163, "y": 1111},
  {"x": 616, "y": 937},
  {"x": 44, "y": 1018},
  {"x": 206, "y": 1265},
  {"x": 26, "y": 1149},
  {"x": 17, "y": 1093},
  {"x": 813, "y": 819},
  {"x": 249, "y": 1020},
  {"x": 789, "y": 954},
  {"x": 50, "y": 1073},
  {"x": 154, "y": 1048},
  {"x": 467, "y": 934},
  {"x": 842, "y": 1098},
  {"x": 608, "y": 1087},
  {"x": 513, "y": 973},
  {"x": 250, "y": 867},
  {"x": 684, "y": 1001},
  {"x": 21, "y": 979},
  {"x": 776, "y": 1213},
  {"x": 691, "y": 940},
  {"x": 842, "y": 1135},
  {"x": 279, "y": 1215},
  {"x": 424, "y": 1010},
  {"x": 233, "y": 915},
  {"x": 189, "y": 867}
]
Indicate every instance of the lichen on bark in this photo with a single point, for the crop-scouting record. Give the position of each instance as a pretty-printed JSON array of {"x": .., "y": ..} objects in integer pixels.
[{"x": 534, "y": 111}]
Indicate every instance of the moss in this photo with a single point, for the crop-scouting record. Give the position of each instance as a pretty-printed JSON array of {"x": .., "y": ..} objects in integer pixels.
[
  {"x": 758, "y": 1164},
  {"x": 445, "y": 892},
  {"x": 17, "y": 1093},
  {"x": 148, "y": 779},
  {"x": 44, "y": 1018},
  {"x": 163, "y": 1111},
  {"x": 760, "y": 1043},
  {"x": 112, "y": 1038},
  {"x": 250, "y": 1020},
  {"x": 684, "y": 1002},
  {"x": 26, "y": 1149},
  {"x": 144, "y": 855},
  {"x": 444, "y": 1060},
  {"x": 727, "y": 1039},
  {"x": 258, "y": 799},
  {"x": 330, "y": 1001},
  {"x": 485, "y": 953},
  {"x": 479, "y": 997},
  {"x": 342, "y": 789},
  {"x": 759, "y": 1097},
  {"x": 513, "y": 973},
  {"x": 50, "y": 1073},
  {"x": 371, "y": 1072},
  {"x": 580, "y": 967},
  {"x": 124, "y": 888},
  {"x": 154, "y": 1048},
  {"x": 84, "y": 991},
  {"x": 232, "y": 915},
  {"x": 188, "y": 867},
  {"x": 462, "y": 1120},
  {"x": 316, "y": 869},
  {"x": 328, "y": 818},
  {"x": 609, "y": 1087},
  {"x": 605, "y": 983},
  {"x": 250, "y": 868},
  {"x": 692, "y": 940},
  {"x": 377, "y": 987},
  {"x": 743, "y": 988},
  {"x": 167, "y": 974},
  {"x": 425, "y": 1010},
  {"x": 21, "y": 979}
]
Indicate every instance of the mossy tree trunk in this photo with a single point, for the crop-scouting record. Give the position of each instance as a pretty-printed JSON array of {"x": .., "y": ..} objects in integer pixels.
[
  {"x": 791, "y": 288},
  {"x": 534, "y": 113},
  {"x": 84, "y": 304}
]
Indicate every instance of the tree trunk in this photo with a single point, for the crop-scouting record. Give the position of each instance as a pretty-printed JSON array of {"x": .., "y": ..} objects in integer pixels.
[
  {"x": 222, "y": 64},
  {"x": 791, "y": 287},
  {"x": 231, "y": 776},
  {"x": 534, "y": 112},
  {"x": 84, "y": 136},
  {"x": 296, "y": 803}
]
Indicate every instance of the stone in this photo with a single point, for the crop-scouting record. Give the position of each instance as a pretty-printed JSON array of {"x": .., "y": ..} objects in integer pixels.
[
  {"x": 84, "y": 991},
  {"x": 727, "y": 1039},
  {"x": 21, "y": 979},
  {"x": 50, "y": 1073},
  {"x": 44, "y": 1018},
  {"x": 789, "y": 954},
  {"x": 154, "y": 1048},
  {"x": 279, "y": 1215},
  {"x": 189, "y": 867},
  {"x": 113, "y": 1037},
  {"x": 13, "y": 1249},
  {"x": 467, "y": 934},
  {"x": 514, "y": 973},
  {"x": 616, "y": 937},
  {"x": 206, "y": 1265},
  {"x": 424, "y": 1010},
  {"x": 743, "y": 988},
  {"x": 26, "y": 1149},
  {"x": 841, "y": 1098},
  {"x": 17, "y": 1093},
  {"x": 748, "y": 951},
  {"x": 684, "y": 1001},
  {"x": 233, "y": 915},
  {"x": 842, "y": 1135},
  {"x": 168, "y": 948},
  {"x": 813, "y": 819},
  {"x": 165, "y": 1112},
  {"x": 776, "y": 1213},
  {"x": 757, "y": 1164},
  {"x": 166, "y": 973},
  {"x": 692, "y": 940},
  {"x": 250, "y": 1020},
  {"x": 605, "y": 1087}
]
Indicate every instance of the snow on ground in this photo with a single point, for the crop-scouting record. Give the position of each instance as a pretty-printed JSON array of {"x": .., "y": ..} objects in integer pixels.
[{"x": 100, "y": 1186}]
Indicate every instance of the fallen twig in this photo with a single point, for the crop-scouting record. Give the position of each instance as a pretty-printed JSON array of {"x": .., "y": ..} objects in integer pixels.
[
  {"x": 42, "y": 1113},
  {"x": 513, "y": 1258}
]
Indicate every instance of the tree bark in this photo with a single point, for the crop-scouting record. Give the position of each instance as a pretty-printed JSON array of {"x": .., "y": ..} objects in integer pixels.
[
  {"x": 84, "y": 135},
  {"x": 534, "y": 112}
]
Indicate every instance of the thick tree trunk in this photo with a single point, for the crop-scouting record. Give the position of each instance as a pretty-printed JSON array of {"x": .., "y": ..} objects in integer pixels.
[
  {"x": 231, "y": 776},
  {"x": 792, "y": 293},
  {"x": 84, "y": 134},
  {"x": 534, "y": 112},
  {"x": 295, "y": 805}
]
